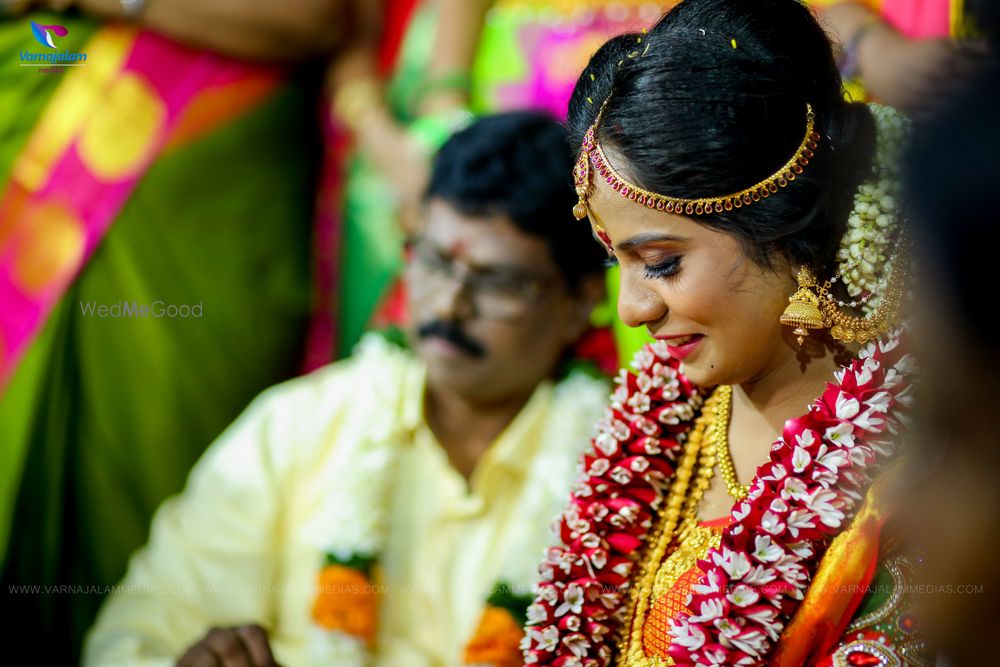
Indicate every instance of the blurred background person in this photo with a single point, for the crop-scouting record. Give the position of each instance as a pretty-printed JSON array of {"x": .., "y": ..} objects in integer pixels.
[
  {"x": 174, "y": 171},
  {"x": 428, "y": 474},
  {"x": 954, "y": 503},
  {"x": 895, "y": 51},
  {"x": 452, "y": 59}
]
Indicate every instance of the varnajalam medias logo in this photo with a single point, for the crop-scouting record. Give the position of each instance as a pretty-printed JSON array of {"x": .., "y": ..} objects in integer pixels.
[{"x": 45, "y": 35}]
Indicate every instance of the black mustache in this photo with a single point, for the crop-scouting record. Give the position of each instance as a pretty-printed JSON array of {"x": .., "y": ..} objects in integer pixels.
[{"x": 454, "y": 335}]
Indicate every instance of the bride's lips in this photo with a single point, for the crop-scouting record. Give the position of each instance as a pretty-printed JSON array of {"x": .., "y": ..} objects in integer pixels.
[{"x": 682, "y": 346}]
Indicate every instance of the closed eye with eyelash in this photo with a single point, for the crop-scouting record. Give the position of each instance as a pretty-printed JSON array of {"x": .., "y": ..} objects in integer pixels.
[{"x": 664, "y": 269}]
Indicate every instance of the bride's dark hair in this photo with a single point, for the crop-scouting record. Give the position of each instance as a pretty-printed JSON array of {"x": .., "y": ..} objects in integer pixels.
[{"x": 713, "y": 100}]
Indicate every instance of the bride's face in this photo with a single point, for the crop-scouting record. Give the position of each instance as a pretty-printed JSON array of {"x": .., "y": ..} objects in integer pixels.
[{"x": 697, "y": 289}]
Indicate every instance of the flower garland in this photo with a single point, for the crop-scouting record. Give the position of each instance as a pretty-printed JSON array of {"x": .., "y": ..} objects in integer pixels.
[
  {"x": 866, "y": 248},
  {"x": 752, "y": 584},
  {"x": 623, "y": 479},
  {"x": 800, "y": 500},
  {"x": 345, "y": 609}
]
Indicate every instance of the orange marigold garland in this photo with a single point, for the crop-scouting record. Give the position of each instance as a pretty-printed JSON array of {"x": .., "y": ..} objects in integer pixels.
[
  {"x": 347, "y": 599},
  {"x": 496, "y": 640},
  {"x": 498, "y": 636}
]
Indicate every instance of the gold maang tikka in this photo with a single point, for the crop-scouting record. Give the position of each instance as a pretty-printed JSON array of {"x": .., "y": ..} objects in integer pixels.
[{"x": 592, "y": 160}]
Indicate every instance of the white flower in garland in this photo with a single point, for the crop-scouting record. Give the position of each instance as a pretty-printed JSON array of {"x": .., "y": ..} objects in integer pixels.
[
  {"x": 865, "y": 253},
  {"x": 362, "y": 496},
  {"x": 751, "y": 584}
]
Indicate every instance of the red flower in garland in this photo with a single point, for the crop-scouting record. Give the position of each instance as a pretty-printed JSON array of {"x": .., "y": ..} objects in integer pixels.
[
  {"x": 753, "y": 582},
  {"x": 799, "y": 500},
  {"x": 625, "y": 473}
]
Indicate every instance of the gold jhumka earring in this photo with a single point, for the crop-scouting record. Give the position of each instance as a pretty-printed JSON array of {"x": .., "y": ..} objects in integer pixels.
[
  {"x": 808, "y": 309},
  {"x": 803, "y": 311}
]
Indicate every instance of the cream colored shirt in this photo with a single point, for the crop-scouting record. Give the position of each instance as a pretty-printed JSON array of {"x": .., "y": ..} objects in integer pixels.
[{"x": 245, "y": 540}]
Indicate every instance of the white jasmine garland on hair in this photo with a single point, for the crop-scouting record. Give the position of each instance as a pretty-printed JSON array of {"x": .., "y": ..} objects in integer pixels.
[{"x": 865, "y": 250}]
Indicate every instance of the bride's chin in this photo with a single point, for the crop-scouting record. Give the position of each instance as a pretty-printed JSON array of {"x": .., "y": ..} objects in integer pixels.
[
  {"x": 706, "y": 370},
  {"x": 699, "y": 375}
]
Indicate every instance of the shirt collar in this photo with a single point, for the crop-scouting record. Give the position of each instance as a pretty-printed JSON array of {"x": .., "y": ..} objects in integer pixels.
[{"x": 513, "y": 451}]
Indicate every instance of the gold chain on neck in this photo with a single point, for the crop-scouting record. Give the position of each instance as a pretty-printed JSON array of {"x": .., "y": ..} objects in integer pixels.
[
  {"x": 678, "y": 516},
  {"x": 721, "y": 429}
]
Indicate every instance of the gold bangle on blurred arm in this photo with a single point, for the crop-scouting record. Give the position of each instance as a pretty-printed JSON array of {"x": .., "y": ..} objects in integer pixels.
[{"x": 355, "y": 100}]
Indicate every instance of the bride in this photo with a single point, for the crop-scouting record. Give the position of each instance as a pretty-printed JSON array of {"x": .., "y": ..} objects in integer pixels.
[{"x": 733, "y": 508}]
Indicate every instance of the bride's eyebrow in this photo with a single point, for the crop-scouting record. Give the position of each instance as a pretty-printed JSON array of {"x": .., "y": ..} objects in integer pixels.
[{"x": 648, "y": 237}]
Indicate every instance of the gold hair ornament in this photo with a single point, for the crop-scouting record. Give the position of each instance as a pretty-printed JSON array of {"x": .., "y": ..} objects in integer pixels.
[
  {"x": 808, "y": 309},
  {"x": 592, "y": 158}
]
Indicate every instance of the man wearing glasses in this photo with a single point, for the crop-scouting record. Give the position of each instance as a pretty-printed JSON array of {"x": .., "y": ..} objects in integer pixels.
[{"x": 392, "y": 508}]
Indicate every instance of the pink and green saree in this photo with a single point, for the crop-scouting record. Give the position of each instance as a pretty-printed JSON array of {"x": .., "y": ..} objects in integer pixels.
[{"x": 156, "y": 210}]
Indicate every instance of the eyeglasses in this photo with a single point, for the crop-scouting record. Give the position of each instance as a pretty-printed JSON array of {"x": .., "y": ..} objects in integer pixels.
[{"x": 498, "y": 294}]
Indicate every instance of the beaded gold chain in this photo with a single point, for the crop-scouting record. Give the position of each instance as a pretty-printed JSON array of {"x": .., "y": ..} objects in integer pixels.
[
  {"x": 678, "y": 516},
  {"x": 592, "y": 162},
  {"x": 851, "y": 328},
  {"x": 721, "y": 428}
]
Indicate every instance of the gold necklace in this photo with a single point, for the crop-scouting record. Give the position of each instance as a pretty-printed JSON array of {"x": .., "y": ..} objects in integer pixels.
[
  {"x": 850, "y": 328},
  {"x": 678, "y": 516},
  {"x": 721, "y": 427}
]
